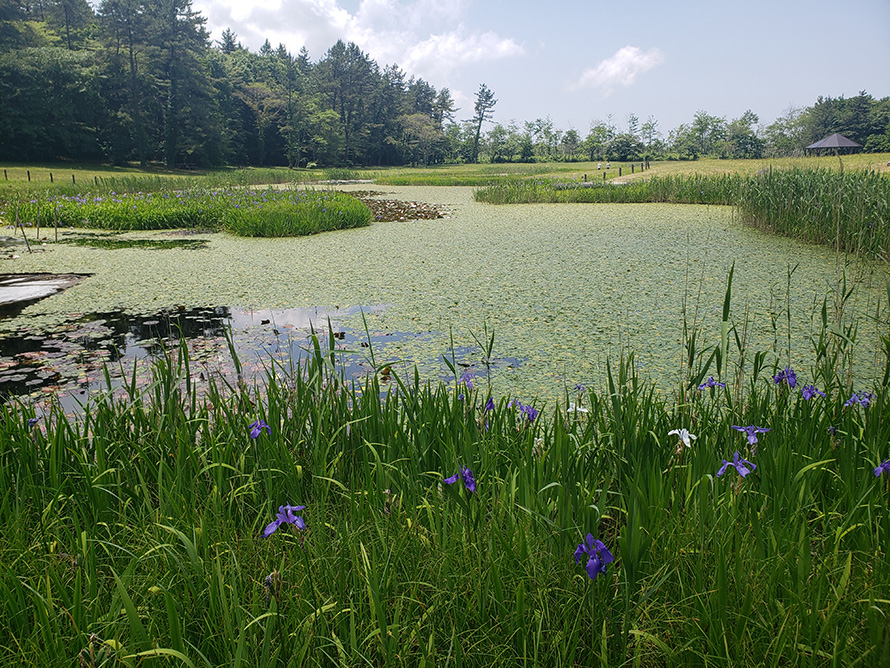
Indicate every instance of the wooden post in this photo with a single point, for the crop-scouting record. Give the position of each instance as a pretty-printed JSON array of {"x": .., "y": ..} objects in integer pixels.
[
  {"x": 19, "y": 223},
  {"x": 585, "y": 178},
  {"x": 96, "y": 180},
  {"x": 619, "y": 171},
  {"x": 604, "y": 175},
  {"x": 72, "y": 179},
  {"x": 29, "y": 175},
  {"x": 632, "y": 168},
  {"x": 5, "y": 177},
  {"x": 51, "y": 177}
]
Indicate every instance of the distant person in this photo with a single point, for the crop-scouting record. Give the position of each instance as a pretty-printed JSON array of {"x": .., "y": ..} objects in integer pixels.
[
  {"x": 608, "y": 165},
  {"x": 599, "y": 165}
]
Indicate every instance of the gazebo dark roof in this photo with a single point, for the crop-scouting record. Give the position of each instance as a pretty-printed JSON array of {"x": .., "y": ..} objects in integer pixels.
[{"x": 835, "y": 141}]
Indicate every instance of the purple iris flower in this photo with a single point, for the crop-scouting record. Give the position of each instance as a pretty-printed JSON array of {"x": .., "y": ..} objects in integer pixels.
[
  {"x": 752, "y": 432},
  {"x": 741, "y": 465},
  {"x": 489, "y": 405},
  {"x": 810, "y": 391},
  {"x": 467, "y": 475},
  {"x": 710, "y": 382},
  {"x": 32, "y": 421},
  {"x": 256, "y": 428},
  {"x": 861, "y": 398},
  {"x": 580, "y": 388},
  {"x": 786, "y": 376},
  {"x": 598, "y": 554},
  {"x": 286, "y": 515},
  {"x": 467, "y": 379},
  {"x": 883, "y": 468},
  {"x": 530, "y": 413}
]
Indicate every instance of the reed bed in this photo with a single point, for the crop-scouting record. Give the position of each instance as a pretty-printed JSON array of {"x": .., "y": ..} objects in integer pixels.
[
  {"x": 850, "y": 209},
  {"x": 244, "y": 212},
  {"x": 307, "y": 521}
]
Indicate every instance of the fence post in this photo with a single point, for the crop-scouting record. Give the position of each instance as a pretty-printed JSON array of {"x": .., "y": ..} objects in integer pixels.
[
  {"x": 72, "y": 179},
  {"x": 604, "y": 175},
  {"x": 619, "y": 171},
  {"x": 29, "y": 175},
  {"x": 51, "y": 177},
  {"x": 632, "y": 168}
]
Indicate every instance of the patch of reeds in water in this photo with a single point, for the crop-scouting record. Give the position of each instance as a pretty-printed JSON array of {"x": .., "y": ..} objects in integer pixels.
[
  {"x": 850, "y": 209},
  {"x": 244, "y": 212}
]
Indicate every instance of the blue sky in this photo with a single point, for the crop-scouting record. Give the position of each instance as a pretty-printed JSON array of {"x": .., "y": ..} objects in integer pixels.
[{"x": 582, "y": 61}]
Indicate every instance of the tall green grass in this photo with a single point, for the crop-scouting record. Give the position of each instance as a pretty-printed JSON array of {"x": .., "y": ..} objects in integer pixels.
[
  {"x": 851, "y": 209},
  {"x": 131, "y": 533},
  {"x": 695, "y": 189},
  {"x": 244, "y": 212}
]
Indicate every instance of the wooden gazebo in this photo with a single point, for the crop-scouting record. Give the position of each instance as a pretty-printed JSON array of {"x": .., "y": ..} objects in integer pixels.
[{"x": 836, "y": 143}]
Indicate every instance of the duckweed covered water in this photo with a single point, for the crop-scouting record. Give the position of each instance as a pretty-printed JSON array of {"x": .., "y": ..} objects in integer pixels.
[{"x": 563, "y": 287}]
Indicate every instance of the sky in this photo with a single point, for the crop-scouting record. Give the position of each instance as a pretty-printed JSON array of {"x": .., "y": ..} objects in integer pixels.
[{"x": 580, "y": 61}]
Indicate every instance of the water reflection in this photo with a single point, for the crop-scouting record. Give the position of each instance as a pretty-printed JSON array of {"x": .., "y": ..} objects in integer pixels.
[{"x": 70, "y": 360}]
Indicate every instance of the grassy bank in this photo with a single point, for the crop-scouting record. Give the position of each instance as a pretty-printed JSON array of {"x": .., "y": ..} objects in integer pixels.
[{"x": 443, "y": 524}]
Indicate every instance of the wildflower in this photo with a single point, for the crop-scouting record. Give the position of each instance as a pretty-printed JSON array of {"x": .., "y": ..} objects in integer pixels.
[
  {"x": 710, "y": 382},
  {"x": 599, "y": 556},
  {"x": 787, "y": 376},
  {"x": 810, "y": 391},
  {"x": 461, "y": 397},
  {"x": 530, "y": 413},
  {"x": 256, "y": 428},
  {"x": 685, "y": 437},
  {"x": 861, "y": 398},
  {"x": 741, "y": 465},
  {"x": 752, "y": 432},
  {"x": 883, "y": 468},
  {"x": 467, "y": 379},
  {"x": 489, "y": 405},
  {"x": 580, "y": 388},
  {"x": 32, "y": 421},
  {"x": 285, "y": 516},
  {"x": 467, "y": 475}
]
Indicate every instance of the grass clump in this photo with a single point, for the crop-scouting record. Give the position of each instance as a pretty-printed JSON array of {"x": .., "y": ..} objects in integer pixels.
[
  {"x": 304, "y": 212},
  {"x": 340, "y": 174},
  {"x": 244, "y": 212}
]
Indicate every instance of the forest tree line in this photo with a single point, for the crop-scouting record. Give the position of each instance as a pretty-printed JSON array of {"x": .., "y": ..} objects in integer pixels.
[{"x": 141, "y": 81}]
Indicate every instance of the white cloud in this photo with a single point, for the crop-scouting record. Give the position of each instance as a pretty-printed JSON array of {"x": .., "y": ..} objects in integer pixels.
[
  {"x": 426, "y": 38},
  {"x": 622, "y": 69},
  {"x": 444, "y": 52}
]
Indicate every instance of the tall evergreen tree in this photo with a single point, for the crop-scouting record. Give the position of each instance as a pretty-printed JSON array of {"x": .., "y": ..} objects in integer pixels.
[{"x": 483, "y": 111}]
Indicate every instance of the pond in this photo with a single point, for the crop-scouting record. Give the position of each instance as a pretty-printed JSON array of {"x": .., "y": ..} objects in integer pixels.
[{"x": 562, "y": 287}]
